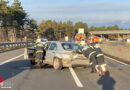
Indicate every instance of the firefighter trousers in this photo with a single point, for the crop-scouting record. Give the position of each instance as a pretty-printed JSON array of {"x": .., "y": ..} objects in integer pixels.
[
  {"x": 100, "y": 60},
  {"x": 93, "y": 60},
  {"x": 39, "y": 56}
]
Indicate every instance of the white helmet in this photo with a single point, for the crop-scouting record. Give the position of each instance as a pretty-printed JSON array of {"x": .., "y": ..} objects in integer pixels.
[{"x": 38, "y": 40}]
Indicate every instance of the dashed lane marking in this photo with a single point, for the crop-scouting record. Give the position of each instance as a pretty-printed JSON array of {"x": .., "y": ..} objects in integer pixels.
[
  {"x": 117, "y": 61},
  {"x": 77, "y": 81},
  {"x": 11, "y": 59}
]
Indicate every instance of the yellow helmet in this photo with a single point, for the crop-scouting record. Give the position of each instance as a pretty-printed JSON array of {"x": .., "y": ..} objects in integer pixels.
[{"x": 38, "y": 40}]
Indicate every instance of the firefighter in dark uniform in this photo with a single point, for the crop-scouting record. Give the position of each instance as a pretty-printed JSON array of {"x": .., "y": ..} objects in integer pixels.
[
  {"x": 39, "y": 49},
  {"x": 96, "y": 47},
  {"x": 89, "y": 53}
]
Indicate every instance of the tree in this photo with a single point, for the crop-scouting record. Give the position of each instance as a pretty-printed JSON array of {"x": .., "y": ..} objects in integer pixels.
[
  {"x": 81, "y": 25},
  {"x": 4, "y": 13},
  {"x": 46, "y": 28},
  {"x": 30, "y": 28},
  {"x": 4, "y": 20},
  {"x": 33, "y": 25},
  {"x": 115, "y": 27},
  {"x": 18, "y": 19},
  {"x": 69, "y": 30},
  {"x": 19, "y": 14},
  {"x": 12, "y": 19}
]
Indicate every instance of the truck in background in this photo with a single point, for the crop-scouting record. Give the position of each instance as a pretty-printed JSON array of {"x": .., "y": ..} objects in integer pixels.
[{"x": 80, "y": 37}]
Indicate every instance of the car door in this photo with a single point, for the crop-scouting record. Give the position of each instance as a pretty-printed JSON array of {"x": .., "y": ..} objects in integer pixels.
[{"x": 51, "y": 53}]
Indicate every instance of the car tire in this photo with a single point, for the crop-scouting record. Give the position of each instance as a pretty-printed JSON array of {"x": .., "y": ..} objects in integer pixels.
[
  {"x": 32, "y": 62},
  {"x": 57, "y": 64}
]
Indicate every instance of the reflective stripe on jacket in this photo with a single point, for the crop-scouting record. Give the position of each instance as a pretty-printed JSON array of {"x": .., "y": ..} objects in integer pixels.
[
  {"x": 39, "y": 47},
  {"x": 91, "y": 54},
  {"x": 39, "y": 51},
  {"x": 98, "y": 55}
]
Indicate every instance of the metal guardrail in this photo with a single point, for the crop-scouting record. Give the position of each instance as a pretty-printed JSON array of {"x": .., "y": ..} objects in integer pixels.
[{"x": 13, "y": 45}]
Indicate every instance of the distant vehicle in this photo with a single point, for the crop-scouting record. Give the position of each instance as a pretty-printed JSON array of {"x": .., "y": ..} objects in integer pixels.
[
  {"x": 80, "y": 37},
  {"x": 61, "y": 54},
  {"x": 44, "y": 40}
]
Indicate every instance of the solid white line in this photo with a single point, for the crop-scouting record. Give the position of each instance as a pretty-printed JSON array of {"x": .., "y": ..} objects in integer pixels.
[
  {"x": 117, "y": 61},
  {"x": 77, "y": 81},
  {"x": 11, "y": 59}
]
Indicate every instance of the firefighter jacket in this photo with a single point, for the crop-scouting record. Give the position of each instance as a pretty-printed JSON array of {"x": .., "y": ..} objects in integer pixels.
[
  {"x": 96, "y": 47},
  {"x": 86, "y": 51},
  {"x": 39, "y": 47}
]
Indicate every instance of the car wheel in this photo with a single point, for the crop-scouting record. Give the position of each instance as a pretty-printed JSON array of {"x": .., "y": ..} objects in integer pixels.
[
  {"x": 57, "y": 64},
  {"x": 32, "y": 62}
]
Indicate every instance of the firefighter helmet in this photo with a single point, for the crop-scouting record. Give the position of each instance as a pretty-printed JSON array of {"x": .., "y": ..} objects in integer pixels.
[{"x": 38, "y": 40}]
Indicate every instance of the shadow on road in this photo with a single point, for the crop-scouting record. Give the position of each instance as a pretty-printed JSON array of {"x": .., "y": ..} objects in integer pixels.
[
  {"x": 107, "y": 82},
  {"x": 11, "y": 69},
  {"x": 46, "y": 66}
]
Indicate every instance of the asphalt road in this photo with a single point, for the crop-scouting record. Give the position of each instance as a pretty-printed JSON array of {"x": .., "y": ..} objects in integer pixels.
[{"x": 18, "y": 74}]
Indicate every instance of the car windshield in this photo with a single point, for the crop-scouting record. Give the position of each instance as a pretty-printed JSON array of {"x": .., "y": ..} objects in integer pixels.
[{"x": 70, "y": 46}]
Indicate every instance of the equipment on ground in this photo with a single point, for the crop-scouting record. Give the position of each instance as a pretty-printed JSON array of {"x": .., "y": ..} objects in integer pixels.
[{"x": 101, "y": 69}]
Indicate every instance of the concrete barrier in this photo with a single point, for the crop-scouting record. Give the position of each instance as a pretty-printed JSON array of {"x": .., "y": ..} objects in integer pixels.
[{"x": 120, "y": 52}]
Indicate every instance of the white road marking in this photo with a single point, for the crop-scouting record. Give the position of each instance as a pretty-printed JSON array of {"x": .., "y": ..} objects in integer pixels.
[
  {"x": 77, "y": 81},
  {"x": 117, "y": 61},
  {"x": 11, "y": 59}
]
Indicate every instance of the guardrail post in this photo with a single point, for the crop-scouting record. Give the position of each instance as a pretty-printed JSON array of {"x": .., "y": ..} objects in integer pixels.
[{"x": 25, "y": 50}]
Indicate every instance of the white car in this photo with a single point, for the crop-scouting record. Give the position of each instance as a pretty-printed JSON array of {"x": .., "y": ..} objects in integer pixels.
[{"x": 61, "y": 54}]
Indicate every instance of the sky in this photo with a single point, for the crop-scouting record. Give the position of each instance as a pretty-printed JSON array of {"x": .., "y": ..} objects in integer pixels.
[{"x": 92, "y": 12}]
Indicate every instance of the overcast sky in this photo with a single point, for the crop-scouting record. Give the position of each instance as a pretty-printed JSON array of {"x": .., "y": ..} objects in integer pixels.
[{"x": 93, "y": 12}]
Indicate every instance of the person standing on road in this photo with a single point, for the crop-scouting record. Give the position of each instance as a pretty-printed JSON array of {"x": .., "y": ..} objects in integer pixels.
[
  {"x": 89, "y": 53},
  {"x": 39, "y": 47},
  {"x": 94, "y": 44}
]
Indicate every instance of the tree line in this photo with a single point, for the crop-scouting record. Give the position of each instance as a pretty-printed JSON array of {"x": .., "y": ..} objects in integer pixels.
[
  {"x": 14, "y": 22},
  {"x": 58, "y": 30}
]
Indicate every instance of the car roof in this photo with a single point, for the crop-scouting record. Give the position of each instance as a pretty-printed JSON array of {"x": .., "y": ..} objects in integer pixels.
[{"x": 61, "y": 42}]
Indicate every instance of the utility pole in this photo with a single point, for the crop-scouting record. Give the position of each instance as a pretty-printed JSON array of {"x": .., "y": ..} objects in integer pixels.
[{"x": 59, "y": 30}]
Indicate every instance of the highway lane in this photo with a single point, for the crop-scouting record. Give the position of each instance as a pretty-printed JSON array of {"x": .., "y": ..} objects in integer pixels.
[
  {"x": 10, "y": 54},
  {"x": 20, "y": 75},
  {"x": 117, "y": 79}
]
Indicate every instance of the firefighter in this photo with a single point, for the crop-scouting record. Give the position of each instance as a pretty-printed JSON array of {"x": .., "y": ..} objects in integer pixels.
[
  {"x": 39, "y": 47},
  {"x": 82, "y": 43},
  {"x": 96, "y": 47},
  {"x": 89, "y": 53}
]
